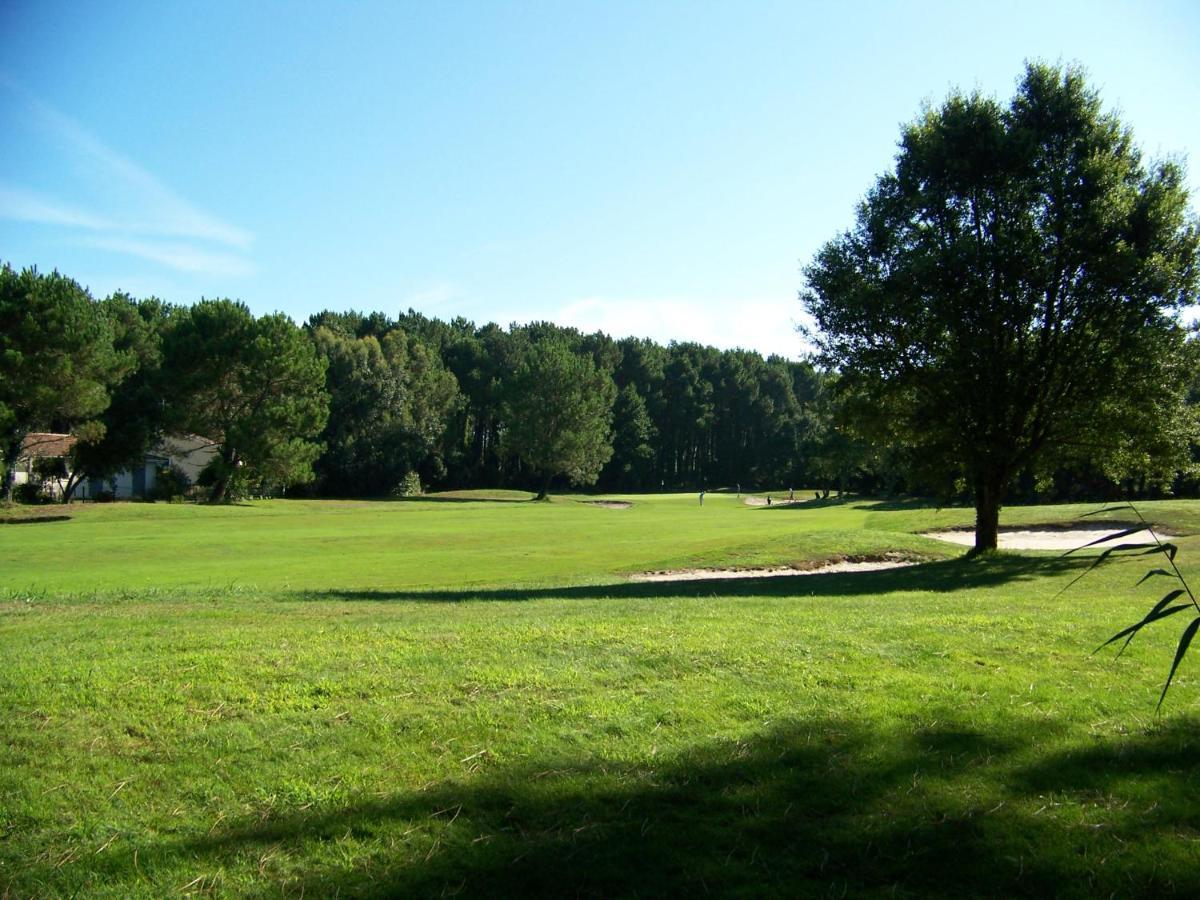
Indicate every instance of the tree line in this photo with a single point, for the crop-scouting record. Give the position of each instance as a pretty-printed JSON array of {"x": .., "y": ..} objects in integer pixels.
[
  {"x": 362, "y": 404},
  {"x": 358, "y": 404}
]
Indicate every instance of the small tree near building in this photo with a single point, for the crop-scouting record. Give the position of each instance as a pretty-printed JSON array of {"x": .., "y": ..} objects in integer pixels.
[{"x": 255, "y": 387}]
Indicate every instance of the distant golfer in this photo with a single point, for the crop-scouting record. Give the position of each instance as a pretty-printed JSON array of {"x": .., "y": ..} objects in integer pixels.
[
  {"x": 791, "y": 496},
  {"x": 739, "y": 487},
  {"x": 702, "y": 498}
]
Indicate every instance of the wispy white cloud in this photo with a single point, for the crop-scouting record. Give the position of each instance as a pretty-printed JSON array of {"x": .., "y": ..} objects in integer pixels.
[
  {"x": 25, "y": 206},
  {"x": 767, "y": 325},
  {"x": 181, "y": 256},
  {"x": 431, "y": 297},
  {"x": 150, "y": 220}
]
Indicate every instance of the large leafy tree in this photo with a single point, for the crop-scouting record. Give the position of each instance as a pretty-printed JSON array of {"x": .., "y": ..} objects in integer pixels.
[
  {"x": 558, "y": 415},
  {"x": 389, "y": 405},
  {"x": 1007, "y": 297},
  {"x": 633, "y": 440},
  {"x": 254, "y": 387},
  {"x": 366, "y": 398},
  {"x": 432, "y": 397},
  {"x": 57, "y": 359}
]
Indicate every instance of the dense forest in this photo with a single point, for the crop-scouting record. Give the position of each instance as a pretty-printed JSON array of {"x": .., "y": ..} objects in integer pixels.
[
  {"x": 363, "y": 404},
  {"x": 684, "y": 416}
]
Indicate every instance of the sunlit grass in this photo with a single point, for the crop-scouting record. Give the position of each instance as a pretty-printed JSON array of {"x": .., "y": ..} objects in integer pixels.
[{"x": 464, "y": 718}]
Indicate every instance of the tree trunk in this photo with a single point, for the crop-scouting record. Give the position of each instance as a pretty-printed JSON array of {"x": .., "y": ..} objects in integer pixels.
[
  {"x": 544, "y": 493},
  {"x": 221, "y": 485},
  {"x": 988, "y": 494},
  {"x": 219, "y": 488},
  {"x": 73, "y": 482},
  {"x": 11, "y": 452}
]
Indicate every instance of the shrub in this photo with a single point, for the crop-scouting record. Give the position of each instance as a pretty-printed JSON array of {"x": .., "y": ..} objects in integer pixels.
[
  {"x": 30, "y": 492},
  {"x": 409, "y": 486},
  {"x": 169, "y": 483}
]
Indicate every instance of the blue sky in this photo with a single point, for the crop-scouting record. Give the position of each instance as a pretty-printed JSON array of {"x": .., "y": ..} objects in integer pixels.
[{"x": 649, "y": 168}]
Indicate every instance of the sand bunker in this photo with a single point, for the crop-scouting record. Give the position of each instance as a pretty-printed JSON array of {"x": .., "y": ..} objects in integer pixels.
[
  {"x": 775, "y": 501},
  {"x": 1048, "y": 538},
  {"x": 773, "y": 572},
  {"x": 608, "y": 504}
]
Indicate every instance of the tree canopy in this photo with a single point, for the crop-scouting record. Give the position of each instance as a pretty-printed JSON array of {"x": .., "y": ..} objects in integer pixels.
[
  {"x": 134, "y": 419},
  {"x": 57, "y": 359},
  {"x": 559, "y": 414},
  {"x": 254, "y": 387},
  {"x": 388, "y": 405},
  {"x": 1007, "y": 298}
]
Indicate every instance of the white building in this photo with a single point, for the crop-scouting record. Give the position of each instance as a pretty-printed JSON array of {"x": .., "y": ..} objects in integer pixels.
[{"x": 187, "y": 454}]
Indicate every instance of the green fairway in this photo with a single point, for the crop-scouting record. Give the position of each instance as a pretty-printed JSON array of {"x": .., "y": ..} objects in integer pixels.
[
  {"x": 466, "y": 695},
  {"x": 451, "y": 540}
]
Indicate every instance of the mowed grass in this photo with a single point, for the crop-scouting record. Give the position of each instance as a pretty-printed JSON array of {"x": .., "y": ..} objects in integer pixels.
[
  {"x": 451, "y": 540},
  {"x": 462, "y": 696}
]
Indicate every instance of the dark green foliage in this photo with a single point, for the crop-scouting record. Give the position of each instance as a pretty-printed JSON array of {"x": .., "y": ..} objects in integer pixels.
[
  {"x": 255, "y": 387},
  {"x": 700, "y": 414},
  {"x": 1006, "y": 298},
  {"x": 558, "y": 414},
  {"x": 135, "y": 418},
  {"x": 366, "y": 396},
  {"x": 57, "y": 359},
  {"x": 31, "y": 492},
  {"x": 420, "y": 395},
  {"x": 633, "y": 439},
  {"x": 389, "y": 405},
  {"x": 169, "y": 484}
]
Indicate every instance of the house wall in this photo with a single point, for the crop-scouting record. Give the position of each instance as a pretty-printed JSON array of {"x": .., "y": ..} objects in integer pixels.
[
  {"x": 188, "y": 453},
  {"x": 22, "y": 475},
  {"x": 136, "y": 482}
]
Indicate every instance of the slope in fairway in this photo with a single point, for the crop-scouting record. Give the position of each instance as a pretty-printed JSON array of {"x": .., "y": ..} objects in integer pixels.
[
  {"x": 449, "y": 541},
  {"x": 441, "y": 697}
]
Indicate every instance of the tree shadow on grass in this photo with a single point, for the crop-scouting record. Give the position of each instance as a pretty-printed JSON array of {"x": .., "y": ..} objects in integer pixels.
[
  {"x": 1171, "y": 751},
  {"x": 901, "y": 504},
  {"x": 782, "y": 503},
  {"x": 813, "y": 807},
  {"x": 942, "y": 576},
  {"x": 435, "y": 498}
]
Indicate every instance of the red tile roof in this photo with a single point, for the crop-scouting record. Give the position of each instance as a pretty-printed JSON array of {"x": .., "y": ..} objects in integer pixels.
[{"x": 42, "y": 445}]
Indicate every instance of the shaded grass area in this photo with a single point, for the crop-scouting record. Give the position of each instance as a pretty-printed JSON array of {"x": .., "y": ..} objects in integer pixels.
[
  {"x": 1176, "y": 516},
  {"x": 811, "y": 806},
  {"x": 936, "y": 730},
  {"x": 943, "y": 576}
]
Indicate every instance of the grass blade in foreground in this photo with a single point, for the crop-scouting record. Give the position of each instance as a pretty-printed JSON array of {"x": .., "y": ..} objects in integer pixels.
[
  {"x": 1160, "y": 610},
  {"x": 1184, "y": 642}
]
